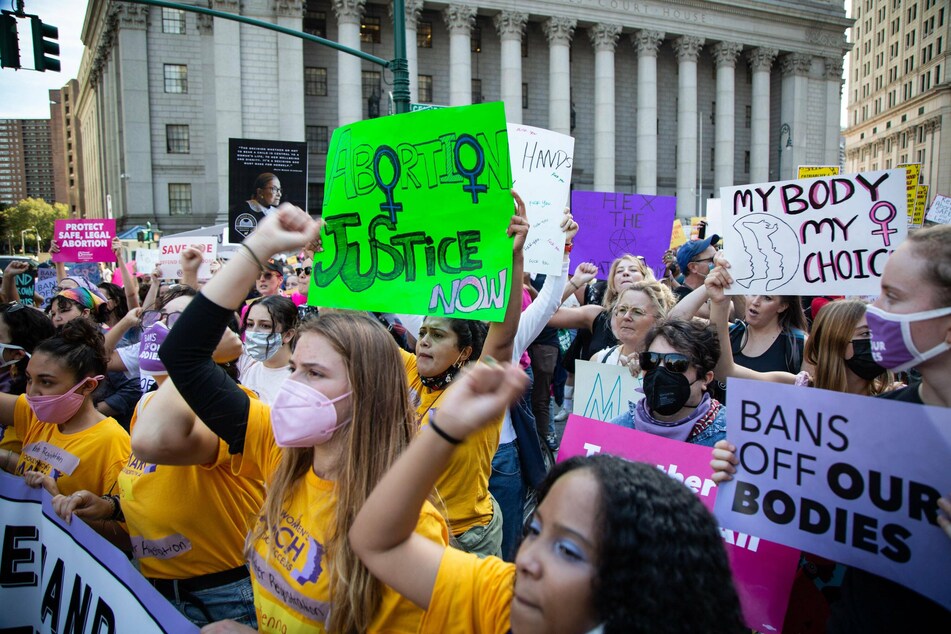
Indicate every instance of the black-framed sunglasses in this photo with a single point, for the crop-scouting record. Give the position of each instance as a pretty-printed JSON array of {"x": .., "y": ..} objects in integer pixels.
[
  {"x": 306, "y": 270},
  {"x": 152, "y": 317},
  {"x": 673, "y": 361}
]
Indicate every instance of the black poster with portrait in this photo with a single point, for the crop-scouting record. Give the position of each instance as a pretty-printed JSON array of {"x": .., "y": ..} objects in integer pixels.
[{"x": 261, "y": 175}]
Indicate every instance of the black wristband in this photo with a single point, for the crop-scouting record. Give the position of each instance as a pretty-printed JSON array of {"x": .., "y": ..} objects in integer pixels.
[{"x": 442, "y": 434}]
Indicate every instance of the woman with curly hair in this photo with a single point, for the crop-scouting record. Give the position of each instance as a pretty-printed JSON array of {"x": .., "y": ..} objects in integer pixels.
[
  {"x": 614, "y": 546},
  {"x": 635, "y": 310}
]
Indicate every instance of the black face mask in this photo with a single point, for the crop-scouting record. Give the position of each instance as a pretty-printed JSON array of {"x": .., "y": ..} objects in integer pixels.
[
  {"x": 666, "y": 392},
  {"x": 861, "y": 362}
]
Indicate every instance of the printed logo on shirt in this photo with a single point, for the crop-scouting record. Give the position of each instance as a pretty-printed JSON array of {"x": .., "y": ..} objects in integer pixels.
[
  {"x": 47, "y": 459},
  {"x": 290, "y": 596},
  {"x": 165, "y": 548}
]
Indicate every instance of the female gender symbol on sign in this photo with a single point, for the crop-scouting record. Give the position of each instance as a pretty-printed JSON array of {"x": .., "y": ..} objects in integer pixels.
[
  {"x": 473, "y": 188},
  {"x": 390, "y": 206},
  {"x": 885, "y": 231}
]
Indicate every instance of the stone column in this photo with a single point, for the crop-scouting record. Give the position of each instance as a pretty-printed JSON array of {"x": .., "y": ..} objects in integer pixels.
[
  {"x": 511, "y": 26},
  {"x": 290, "y": 69},
  {"x": 349, "y": 76},
  {"x": 795, "y": 69},
  {"x": 459, "y": 20},
  {"x": 725, "y": 54},
  {"x": 413, "y": 9},
  {"x": 604, "y": 39},
  {"x": 647, "y": 43},
  {"x": 833, "y": 74},
  {"x": 761, "y": 59},
  {"x": 687, "y": 48},
  {"x": 559, "y": 32}
]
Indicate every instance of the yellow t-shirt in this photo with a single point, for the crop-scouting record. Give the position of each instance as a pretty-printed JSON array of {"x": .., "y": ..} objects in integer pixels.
[
  {"x": 88, "y": 460},
  {"x": 187, "y": 521},
  {"x": 291, "y": 586},
  {"x": 464, "y": 485},
  {"x": 471, "y": 595},
  {"x": 9, "y": 441}
]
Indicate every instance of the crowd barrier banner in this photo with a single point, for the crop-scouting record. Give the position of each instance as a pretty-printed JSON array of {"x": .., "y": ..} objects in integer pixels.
[
  {"x": 541, "y": 174},
  {"x": 912, "y": 175},
  {"x": 603, "y": 390},
  {"x": 763, "y": 571},
  {"x": 56, "y": 577},
  {"x": 940, "y": 211},
  {"x": 84, "y": 240},
  {"x": 851, "y": 478},
  {"x": 170, "y": 251},
  {"x": 815, "y": 236},
  {"x": 921, "y": 202},
  {"x": 817, "y": 171},
  {"x": 613, "y": 225}
]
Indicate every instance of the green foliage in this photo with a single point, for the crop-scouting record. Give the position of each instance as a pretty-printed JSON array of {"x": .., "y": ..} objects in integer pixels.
[{"x": 27, "y": 214}]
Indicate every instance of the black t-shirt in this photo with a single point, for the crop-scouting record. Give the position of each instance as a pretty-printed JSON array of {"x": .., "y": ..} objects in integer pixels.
[
  {"x": 908, "y": 394},
  {"x": 682, "y": 291},
  {"x": 588, "y": 342}
]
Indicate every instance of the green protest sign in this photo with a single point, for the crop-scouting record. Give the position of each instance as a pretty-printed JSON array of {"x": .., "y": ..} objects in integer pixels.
[{"x": 416, "y": 206}]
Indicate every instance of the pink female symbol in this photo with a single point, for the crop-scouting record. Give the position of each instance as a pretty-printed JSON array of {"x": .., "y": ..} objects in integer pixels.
[{"x": 885, "y": 230}]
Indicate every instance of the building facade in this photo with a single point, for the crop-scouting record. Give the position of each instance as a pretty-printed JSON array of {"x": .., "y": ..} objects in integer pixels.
[
  {"x": 900, "y": 93},
  {"x": 67, "y": 147},
  {"x": 26, "y": 161},
  {"x": 675, "y": 98}
]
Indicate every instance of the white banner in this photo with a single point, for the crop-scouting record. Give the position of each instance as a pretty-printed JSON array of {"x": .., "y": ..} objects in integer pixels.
[
  {"x": 603, "y": 391},
  {"x": 170, "y": 250}
]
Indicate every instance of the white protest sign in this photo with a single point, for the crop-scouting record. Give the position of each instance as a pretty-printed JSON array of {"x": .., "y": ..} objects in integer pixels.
[
  {"x": 541, "y": 174},
  {"x": 940, "y": 211},
  {"x": 146, "y": 260},
  {"x": 603, "y": 391},
  {"x": 815, "y": 236},
  {"x": 170, "y": 250},
  {"x": 714, "y": 218}
]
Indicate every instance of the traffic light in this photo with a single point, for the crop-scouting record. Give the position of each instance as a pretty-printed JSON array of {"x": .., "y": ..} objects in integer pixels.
[
  {"x": 9, "y": 42},
  {"x": 45, "y": 48}
]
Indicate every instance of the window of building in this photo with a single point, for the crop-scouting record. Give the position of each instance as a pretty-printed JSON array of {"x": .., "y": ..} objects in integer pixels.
[
  {"x": 316, "y": 137},
  {"x": 173, "y": 21},
  {"x": 177, "y": 139},
  {"x": 746, "y": 162},
  {"x": 477, "y": 91},
  {"x": 315, "y": 23},
  {"x": 475, "y": 39},
  {"x": 424, "y": 35},
  {"x": 315, "y": 198},
  {"x": 713, "y": 157},
  {"x": 749, "y": 117},
  {"x": 176, "y": 78},
  {"x": 524, "y": 96},
  {"x": 370, "y": 29},
  {"x": 179, "y": 199},
  {"x": 425, "y": 88},
  {"x": 315, "y": 81},
  {"x": 371, "y": 83},
  {"x": 921, "y": 156}
]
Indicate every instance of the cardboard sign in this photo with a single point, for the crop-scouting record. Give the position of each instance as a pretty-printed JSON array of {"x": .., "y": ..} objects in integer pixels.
[
  {"x": 84, "y": 240},
  {"x": 65, "y": 577},
  {"x": 912, "y": 174},
  {"x": 541, "y": 174},
  {"x": 146, "y": 260},
  {"x": 816, "y": 236},
  {"x": 763, "y": 571},
  {"x": 613, "y": 225},
  {"x": 940, "y": 211},
  {"x": 416, "y": 208},
  {"x": 603, "y": 391},
  {"x": 921, "y": 202},
  {"x": 677, "y": 236},
  {"x": 170, "y": 250},
  {"x": 811, "y": 475},
  {"x": 816, "y": 171}
]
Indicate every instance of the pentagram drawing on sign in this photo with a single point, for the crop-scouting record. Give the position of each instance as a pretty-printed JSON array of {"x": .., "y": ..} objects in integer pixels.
[{"x": 622, "y": 241}]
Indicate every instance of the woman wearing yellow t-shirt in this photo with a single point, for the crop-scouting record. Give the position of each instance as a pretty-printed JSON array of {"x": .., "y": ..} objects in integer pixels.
[
  {"x": 614, "y": 546},
  {"x": 335, "y": 426}
]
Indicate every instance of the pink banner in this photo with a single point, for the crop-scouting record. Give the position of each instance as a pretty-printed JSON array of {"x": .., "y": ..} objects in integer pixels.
[
  {"x": 84, "y": 240},
  {"x": 762, "y": 571}
]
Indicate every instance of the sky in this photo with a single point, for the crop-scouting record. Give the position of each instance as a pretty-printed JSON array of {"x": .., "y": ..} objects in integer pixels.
[{"x": 25, "y": 93}]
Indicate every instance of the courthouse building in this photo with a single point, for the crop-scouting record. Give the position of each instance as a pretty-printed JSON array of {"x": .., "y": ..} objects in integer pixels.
[{"x": 673, "y": 98}]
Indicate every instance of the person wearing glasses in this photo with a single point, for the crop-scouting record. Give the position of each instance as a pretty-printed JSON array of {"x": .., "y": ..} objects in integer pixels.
[
  {"x": 695, "y": 259},
  {"x": 634, "y": 313},
  {"x": 299, "y": 296},
  {"x": 264, "y": 201}
]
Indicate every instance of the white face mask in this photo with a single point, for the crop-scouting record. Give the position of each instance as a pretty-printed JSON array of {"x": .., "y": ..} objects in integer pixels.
[
  {"x": 261, "y": 346},
  {"x": 10, "y": 346}
]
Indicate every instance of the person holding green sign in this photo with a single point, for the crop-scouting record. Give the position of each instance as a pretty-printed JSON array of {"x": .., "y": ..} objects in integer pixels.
[{"x": 443, "y": 348}]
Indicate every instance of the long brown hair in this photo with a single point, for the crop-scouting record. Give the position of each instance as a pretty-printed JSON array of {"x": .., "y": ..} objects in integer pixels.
[
  {"x": 825, "y": 348},
  {"x": 382, "y": 425}
]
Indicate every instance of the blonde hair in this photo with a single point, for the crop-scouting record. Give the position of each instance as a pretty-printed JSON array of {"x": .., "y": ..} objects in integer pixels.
[
  {"x": 611, "y": 294},
  {"x": 661, "y": 297},
  {"x": 831, "y": 334},
  {"x": 382, "y": 425}
]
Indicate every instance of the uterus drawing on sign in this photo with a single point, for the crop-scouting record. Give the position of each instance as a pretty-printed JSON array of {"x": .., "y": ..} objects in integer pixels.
[{"x": 772, "y": 248}]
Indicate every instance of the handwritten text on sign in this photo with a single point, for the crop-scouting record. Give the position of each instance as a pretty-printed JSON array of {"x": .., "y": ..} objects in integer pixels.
[
  {"x": 541, "y": 174},
  {"x": 815, "y": 236},
  {"x": 84, "y": 240},
  {"x": 613, "y": 225},
  {"x": 416, "y": 208},
  {"x": 811, "y": 476}
]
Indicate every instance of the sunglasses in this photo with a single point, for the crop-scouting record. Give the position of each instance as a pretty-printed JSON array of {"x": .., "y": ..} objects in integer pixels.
[
  {"x": 306, "y": 270},
  {"x": 673, "y": 361},
  {"x": 152, "y": 317}
]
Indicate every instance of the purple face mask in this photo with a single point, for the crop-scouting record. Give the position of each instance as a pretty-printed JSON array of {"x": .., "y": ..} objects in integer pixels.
[
  {"x": 892, "y": 347},
  {"x": 303, "y": 417},
  {"x": 152, "y": 338}
]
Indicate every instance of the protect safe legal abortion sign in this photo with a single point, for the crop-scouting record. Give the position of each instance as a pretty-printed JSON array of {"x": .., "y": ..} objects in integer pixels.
[
  {"x": 852, "y": 478},
  {"x": 416, "y": 208},
  {"x": 814, "y": 236},
  {"x": 84, "y": 240}
]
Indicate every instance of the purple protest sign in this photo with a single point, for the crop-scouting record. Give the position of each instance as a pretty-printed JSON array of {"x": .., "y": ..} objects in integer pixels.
[
  {"x": 762, "y": 571},
  {"x": 851, "y": 478},
  {"x": 615, "y": 224},
  {"x": 84, "y": 240}
]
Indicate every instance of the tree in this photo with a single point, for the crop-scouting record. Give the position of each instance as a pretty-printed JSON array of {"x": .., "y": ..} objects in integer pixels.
[{"x": 27, "y": 214}]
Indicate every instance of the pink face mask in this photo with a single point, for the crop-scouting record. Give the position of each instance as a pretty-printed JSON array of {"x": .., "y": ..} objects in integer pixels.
[
  {"x": 56, "y": 409},
  {"x": 303, "y": 417}
]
